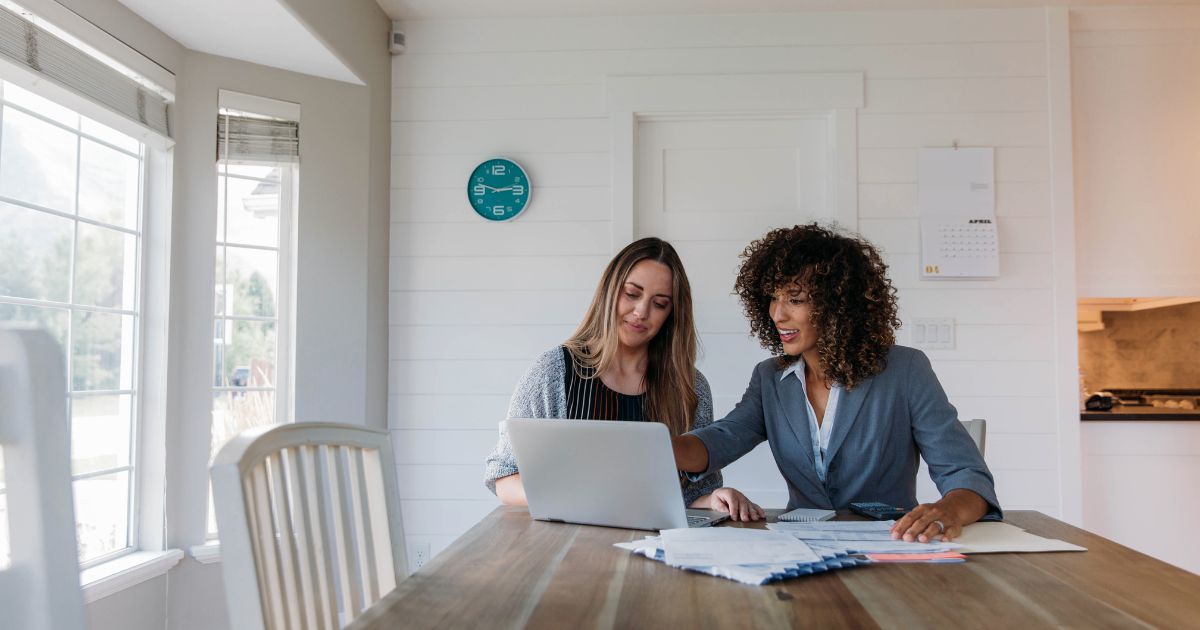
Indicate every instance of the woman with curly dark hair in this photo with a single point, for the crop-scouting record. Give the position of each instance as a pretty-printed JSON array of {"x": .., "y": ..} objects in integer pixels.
[{"x": 848, "y": 414}]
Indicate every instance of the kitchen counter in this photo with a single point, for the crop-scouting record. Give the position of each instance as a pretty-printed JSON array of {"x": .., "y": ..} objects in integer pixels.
[{"x": 1135, "y": 413}]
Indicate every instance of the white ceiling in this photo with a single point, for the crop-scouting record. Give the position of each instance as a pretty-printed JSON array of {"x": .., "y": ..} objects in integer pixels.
[
  {"x": 438, "y": 9},
  {"x": 258, "y": 31}
]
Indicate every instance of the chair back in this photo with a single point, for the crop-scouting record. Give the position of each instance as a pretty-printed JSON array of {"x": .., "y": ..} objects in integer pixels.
[
  {"x": 39, "y": 587},
  {"x": 309, "y": 522},
  {"x": 978, "y": 430}
]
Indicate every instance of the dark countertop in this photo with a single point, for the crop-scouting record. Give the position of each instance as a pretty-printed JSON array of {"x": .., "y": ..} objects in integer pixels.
[{"x": 1137, "y": 413}]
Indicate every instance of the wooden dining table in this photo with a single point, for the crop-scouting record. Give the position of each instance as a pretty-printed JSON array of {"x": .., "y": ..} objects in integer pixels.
[{"x": 510, "y": 571}]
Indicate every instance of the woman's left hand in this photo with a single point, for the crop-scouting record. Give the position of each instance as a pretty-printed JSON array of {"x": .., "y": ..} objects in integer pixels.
[
  {"x": 943, "y": 520},
  {"x": 739, "y": 507},
  {"x": 927, "y": 522}
]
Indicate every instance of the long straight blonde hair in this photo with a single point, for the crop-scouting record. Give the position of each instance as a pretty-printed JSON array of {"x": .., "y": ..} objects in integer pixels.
[{"x": 671, "y": 365}]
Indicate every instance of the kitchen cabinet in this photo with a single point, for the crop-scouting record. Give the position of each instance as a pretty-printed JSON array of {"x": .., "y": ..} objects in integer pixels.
[
  {"x": 1135, "y": 469},
  {"x": 1136, "y": 126}
]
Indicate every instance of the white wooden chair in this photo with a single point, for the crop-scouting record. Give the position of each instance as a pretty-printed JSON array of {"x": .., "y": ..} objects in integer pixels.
[
  {"x": 978, "y": 430},
  {"x": 40, "y": 588},
  {"x": 309, "y": 522}
]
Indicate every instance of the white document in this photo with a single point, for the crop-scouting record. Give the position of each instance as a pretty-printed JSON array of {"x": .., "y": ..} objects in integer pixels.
[
  {"x": 647, "y": 543},
  {"x": 898, "y": 546},
  {"x": 991, "y": 537},
  {"x": 834, "y": 526},
  {"x": 716, "y": 546},
  {"x": 835, "y": 536}
]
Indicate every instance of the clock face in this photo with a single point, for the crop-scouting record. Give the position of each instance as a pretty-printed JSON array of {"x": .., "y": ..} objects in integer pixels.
[{"x": 498, "y": 189}]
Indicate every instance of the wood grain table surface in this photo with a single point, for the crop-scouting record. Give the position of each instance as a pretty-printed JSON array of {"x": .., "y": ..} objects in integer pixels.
[{"x": 510, "y": 571}]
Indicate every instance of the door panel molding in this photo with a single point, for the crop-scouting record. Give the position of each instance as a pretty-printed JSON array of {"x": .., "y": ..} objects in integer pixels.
[{"x": 633, "y": 99}]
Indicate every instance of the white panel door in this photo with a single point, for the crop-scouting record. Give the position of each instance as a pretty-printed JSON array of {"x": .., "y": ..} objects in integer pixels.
[{"x": 710, "y": 187}]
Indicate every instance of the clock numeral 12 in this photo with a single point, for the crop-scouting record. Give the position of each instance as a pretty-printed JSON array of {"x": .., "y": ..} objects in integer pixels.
[{"x": 499, "y": 169}]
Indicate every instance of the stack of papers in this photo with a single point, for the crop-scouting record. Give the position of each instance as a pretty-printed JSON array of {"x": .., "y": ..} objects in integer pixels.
[
  {"x": 787, "y": 550},
  {"x": 875, "y": 537},
  {"x": 872, "y": 538},
  {"x": 749, "y": 556}
]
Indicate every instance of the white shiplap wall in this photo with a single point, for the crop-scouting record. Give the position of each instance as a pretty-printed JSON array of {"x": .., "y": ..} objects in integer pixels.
[{"x": 473, "y": 303}]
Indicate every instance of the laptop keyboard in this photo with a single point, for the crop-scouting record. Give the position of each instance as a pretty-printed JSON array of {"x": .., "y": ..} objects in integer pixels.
[{"x": 696, "y": 521}]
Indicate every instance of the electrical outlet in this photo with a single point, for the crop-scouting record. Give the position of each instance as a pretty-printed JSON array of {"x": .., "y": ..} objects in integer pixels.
[
  {"x": 418, "y": 555},
  {"x": 933, "y": 333}
]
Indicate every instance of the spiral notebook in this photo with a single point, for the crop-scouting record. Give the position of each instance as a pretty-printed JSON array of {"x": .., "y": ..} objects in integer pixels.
[{"x": 807, "y": 515}]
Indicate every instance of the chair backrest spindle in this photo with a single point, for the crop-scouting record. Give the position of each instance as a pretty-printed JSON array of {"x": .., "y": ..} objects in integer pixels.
[{"x": 315, "y": 511}]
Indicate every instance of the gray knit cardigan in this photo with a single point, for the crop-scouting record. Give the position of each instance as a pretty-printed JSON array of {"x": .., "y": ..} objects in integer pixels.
[{"x": 542, "y": 394}]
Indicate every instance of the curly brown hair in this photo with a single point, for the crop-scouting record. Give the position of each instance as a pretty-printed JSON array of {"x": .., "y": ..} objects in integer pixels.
[{"x": 853, "y": 301}]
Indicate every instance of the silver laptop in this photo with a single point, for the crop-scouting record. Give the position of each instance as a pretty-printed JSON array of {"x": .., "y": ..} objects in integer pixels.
[{"x": 602, "y": 472}]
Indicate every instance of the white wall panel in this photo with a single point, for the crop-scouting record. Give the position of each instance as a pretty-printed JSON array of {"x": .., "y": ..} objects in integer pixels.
[
  {"x": 567, "y": 67},
  {"x": 978, "y": 306},
  {"x": 522, "y": 343},
  {"x": 1015, "y": 489},
  {"x": 513, "y": 238},
  {"x": 974, "y": 94},
  {"x": 444, "y": 446},
  {"x": 442, "y": 517},
  {"x": 494, "y": 102},
  {"x": 474, "y": 136},
  {"x": 547, "y": 170},
  {"x": 491, "y": 273},
  {"x": 467, "y": 308},
  {"x": 898, "y": 200},
  {"x": 1006, "y": 413},
  {"x": 899, "y": 166},
  {"x": 444, "y": 376},
  {"x": 1021, "y": 129},
  {"x": 434, "y": 411},
  {"x": 901, "y": 236},
  {"x": 442, "y": 481},
  {"x": 981, "y": 378},
  {"x": 722, "y": 31},
  {"x": 473, "y": 298},
  {"x": 1024, "y": 489},
  {"x": 1017, "y": 271},
  {"x": 1143, "y": 463},
  {"x": 551, "y": 205},
  {"x": 994, "y": 343}
]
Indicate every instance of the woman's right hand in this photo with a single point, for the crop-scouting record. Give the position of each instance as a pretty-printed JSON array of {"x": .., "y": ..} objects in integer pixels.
[{"x": 736, "y": 504}]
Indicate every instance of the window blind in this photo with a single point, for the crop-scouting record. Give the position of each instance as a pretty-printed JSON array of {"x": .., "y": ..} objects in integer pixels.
[
  {"x": 28, "y": 45},
  {"x": 246, "y": 138}
]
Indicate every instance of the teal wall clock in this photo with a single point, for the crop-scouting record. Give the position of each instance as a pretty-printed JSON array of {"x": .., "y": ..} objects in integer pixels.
[{"x": 498, "y": 189}]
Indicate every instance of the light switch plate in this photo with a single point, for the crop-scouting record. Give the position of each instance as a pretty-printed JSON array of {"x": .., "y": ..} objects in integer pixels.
[{"x": 932, "y": 333}]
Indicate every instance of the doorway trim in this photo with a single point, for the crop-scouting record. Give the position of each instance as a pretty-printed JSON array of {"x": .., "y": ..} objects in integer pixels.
[{"x": 632, "y": 99}]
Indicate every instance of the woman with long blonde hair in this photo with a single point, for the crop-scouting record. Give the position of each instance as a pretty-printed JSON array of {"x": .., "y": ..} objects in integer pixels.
[{"x": 631, "y": 358}]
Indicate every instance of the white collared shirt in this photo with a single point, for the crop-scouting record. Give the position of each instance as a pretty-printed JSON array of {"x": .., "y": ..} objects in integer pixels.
[{"x": 818, "y": 434}]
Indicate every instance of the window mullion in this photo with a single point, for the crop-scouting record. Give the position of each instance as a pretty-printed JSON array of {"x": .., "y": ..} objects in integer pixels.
[{"x": 125, "y": 349}]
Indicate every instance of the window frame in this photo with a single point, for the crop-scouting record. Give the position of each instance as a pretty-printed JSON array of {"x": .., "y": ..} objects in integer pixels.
[
  {"x": 285, "y": 304},
  {"x": 72, "y": 308},
  {"x": 147, "y": 450}
]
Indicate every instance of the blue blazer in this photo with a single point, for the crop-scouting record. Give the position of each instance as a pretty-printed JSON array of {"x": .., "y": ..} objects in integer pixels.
[{"x": 881, "y": 430}]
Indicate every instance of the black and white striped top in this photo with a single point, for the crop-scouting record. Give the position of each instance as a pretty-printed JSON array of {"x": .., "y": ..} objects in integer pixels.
[{"x": 588, "y": 398}]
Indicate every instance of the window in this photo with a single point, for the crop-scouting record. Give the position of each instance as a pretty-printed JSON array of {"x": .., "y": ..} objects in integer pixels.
[
  {"x": 251, "y": 323},
  {"x": 5, "y": 548},
  {"x": 71, "y": 199}
]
